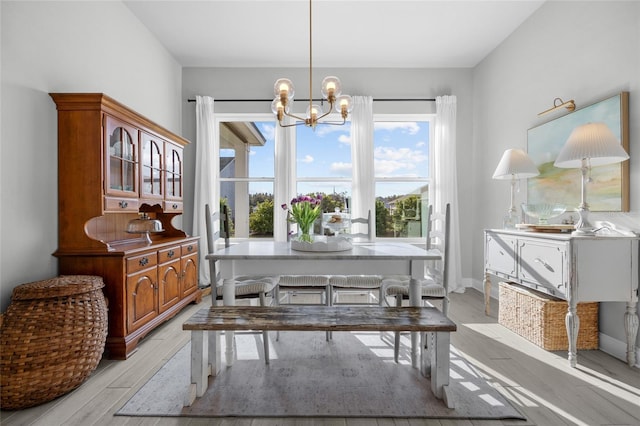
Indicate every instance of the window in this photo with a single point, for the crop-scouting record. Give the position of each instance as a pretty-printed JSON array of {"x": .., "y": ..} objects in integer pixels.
[{"x": 324, "y": 165}]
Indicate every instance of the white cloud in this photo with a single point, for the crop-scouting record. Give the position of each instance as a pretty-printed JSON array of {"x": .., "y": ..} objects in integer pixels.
[
  {"x": 307, "y": 159},
  {"x": 341, "y": 169},
  {"x": 345, "y": 139},
  {"x": 421, "y": 144},
  {"x": 268, "y": 131},
  {"x": 410, "y": 127},
  {"x": 399, "y": 162}
]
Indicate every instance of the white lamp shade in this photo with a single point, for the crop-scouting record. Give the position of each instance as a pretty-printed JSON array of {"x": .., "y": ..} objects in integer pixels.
[
  {"x": 593, "y": 141},
  {"x": 515, "y": 164}
]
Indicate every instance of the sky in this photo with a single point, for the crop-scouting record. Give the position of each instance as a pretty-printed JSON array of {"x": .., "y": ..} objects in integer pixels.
[{"x": 400, "y": 150}]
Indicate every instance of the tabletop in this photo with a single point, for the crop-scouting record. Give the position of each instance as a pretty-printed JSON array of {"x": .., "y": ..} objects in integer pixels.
[{"x": 271, "y": 250}]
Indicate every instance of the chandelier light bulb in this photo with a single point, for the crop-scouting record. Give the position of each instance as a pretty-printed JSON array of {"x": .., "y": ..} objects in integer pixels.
[
  {"x": 283, "y": 88},
  {"x": 331, "y": 87}
]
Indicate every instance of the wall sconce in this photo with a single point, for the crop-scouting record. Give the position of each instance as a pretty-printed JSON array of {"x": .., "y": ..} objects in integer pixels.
[{"x": 559, "y": 103}]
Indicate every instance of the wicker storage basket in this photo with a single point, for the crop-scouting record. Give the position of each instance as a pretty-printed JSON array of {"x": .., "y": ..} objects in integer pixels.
[
  {"x": 540, "y": 318},
  {"x": 52, "y": 338}
]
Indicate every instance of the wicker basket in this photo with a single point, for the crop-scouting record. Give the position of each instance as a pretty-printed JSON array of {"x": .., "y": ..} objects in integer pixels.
[
  {"x": 52, "y": 338},
  {"x": 540, "y": 318}
]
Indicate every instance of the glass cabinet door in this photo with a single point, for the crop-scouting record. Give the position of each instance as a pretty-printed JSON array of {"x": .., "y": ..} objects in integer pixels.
[
  {"x": 173, "y": 171},
  {"x": 121, "y": 167},
  {"x": 151, "y": 152}
]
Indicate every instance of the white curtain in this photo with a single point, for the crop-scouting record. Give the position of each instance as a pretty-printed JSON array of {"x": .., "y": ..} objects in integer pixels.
[
  {"x": 444, "y": 183},
  {"x": 207, "y": 175},
  {"x": 285, "y": 178},
  {"x": 363, "y": 190}
]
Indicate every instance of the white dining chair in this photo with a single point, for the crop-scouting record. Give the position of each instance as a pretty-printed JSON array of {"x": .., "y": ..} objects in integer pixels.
[
  {"x": 359, "y": 284},
  {"x": 435, "y": 284},
  {"x": 246, "y": 287}
]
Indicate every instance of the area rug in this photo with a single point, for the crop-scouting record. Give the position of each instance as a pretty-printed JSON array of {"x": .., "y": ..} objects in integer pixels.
[{"x": 353, "y": 375}]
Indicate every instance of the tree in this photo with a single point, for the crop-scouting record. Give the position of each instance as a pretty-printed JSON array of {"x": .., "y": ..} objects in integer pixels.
[
  {"x": 261, "y": 219},
  {"x": 383, "y": 220}
]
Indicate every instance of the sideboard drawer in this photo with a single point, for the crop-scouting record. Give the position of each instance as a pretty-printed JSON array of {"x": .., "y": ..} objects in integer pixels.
[
  {"x": 500, "y": 255},
  {"x": 544, "y": 264},
  {"x": 169, "y": 254},
  {"x": 143, "y": 261}
]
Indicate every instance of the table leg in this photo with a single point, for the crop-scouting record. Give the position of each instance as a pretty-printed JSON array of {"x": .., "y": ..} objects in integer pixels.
[
  {"x": 487, "y": 294},
  {"x": 229, "y": 299},
  {"x": 631, "y": 329}
]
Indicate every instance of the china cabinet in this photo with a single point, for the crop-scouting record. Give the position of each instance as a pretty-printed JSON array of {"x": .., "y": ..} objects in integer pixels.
[
  {"x": 571, "y": 268},
  {"x": 113, "y": 165}
]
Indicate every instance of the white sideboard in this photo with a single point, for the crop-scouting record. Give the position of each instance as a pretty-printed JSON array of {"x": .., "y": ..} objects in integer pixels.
[{"x": 572, "y": 268}]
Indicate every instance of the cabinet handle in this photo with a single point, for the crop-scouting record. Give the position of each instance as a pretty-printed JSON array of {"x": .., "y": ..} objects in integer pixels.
[
  {"x": 170, "y": 254},
  {"x": 123, "y": 204},
  {"x": 543, "y": 263},
  {"x": 190, "y": 248},
  {"x": 175, "y": 206},
  {"x": 143, "y": 261}
]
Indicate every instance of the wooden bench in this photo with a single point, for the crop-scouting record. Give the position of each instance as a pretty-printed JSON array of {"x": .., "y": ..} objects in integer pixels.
[{"x": 434, "y": 362}]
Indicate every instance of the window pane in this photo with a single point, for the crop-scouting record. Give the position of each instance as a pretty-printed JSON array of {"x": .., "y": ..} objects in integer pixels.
[
  {"x": 325, "y": 152},
  {"x": 401, "y": 213},
  {"x": 246, "y": 149},
  {"x": 253, "y": 219},
  {"x": 401, "y": 149},
  {"x": 335, "y": 195}
]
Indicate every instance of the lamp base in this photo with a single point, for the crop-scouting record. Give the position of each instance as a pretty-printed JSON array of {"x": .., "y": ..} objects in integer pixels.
[
  {"x": 583, "y": 227},
  {"x": 510, "y": 220}
]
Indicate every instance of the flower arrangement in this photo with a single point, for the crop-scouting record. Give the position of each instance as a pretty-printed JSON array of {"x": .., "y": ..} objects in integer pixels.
[{"x": 305, "y": 209}]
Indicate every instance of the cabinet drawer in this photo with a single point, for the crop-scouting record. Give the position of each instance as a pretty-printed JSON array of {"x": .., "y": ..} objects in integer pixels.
[
  {"x": 115, "y": 204},
  {"x": 169, "y": 254},
  {"x": 140, "y": 262},
  {"x": 172, "y": 206},
  {"x": 189, "y": 248},
  {"x": 500, "y": 254},
  {"x": 544, "y": 264}
]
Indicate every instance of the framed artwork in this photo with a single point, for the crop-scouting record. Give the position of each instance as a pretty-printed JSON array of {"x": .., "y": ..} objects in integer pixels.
[{"x": 609, "y": 186}]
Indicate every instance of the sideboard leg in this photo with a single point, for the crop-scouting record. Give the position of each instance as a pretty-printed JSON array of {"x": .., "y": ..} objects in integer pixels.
[
  {"x": 631, "y": 328},
  {"x": 572, "y": 322},
  {"x": 487, "y": 294}
]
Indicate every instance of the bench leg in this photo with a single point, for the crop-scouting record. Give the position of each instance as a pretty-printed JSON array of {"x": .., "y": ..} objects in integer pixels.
[
  {"x": 438, "y": 350},
  {"x": 199, "y": 368}
]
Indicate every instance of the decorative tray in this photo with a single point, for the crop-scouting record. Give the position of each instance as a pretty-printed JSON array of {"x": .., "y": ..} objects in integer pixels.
[
  {"x": 545, "y": 228},
  {"x": 322, "y": 243}
]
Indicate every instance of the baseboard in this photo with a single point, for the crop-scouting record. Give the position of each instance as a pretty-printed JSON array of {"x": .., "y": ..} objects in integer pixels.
[{"x": 616, "y": 348}]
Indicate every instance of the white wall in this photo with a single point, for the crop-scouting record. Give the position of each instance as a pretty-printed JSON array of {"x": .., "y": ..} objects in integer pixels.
[
  {"x": 64, "y": 47},
  {"x": 585, "y": 51}
]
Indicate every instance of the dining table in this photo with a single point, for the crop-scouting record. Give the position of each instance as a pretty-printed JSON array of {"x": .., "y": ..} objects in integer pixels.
[{"x": 268, "y": 257}]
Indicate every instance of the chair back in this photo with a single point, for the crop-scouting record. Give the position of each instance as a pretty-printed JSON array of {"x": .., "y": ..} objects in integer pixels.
[
  {"x": 438, "y": 232},
  {"x": 213, "y": 236},
  {"x": 370, "y": 227}
]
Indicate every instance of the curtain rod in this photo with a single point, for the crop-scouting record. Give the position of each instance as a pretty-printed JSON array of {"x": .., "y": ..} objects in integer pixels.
[{"x": 320, "y": 100}]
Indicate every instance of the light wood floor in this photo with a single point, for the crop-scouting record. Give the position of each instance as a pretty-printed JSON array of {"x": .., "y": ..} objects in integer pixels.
[{"x": 602, "y": 390}]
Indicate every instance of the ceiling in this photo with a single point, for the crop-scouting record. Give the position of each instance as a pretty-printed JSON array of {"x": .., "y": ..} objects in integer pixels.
[{"x": 346, "y": 33}]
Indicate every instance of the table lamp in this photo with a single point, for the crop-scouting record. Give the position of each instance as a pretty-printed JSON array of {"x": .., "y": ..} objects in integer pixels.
[
  {"x": 514, "y": 164},
  {"x": 591, "y": 144}
]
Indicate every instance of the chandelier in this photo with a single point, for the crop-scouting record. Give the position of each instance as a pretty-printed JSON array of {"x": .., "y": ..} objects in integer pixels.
[{"x": 331, "y": 91}]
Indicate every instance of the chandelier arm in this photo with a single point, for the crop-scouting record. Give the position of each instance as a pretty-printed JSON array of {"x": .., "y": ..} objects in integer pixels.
[
  {"x": 326, "y": 113},
  {"x": 294, "y": 116}
]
